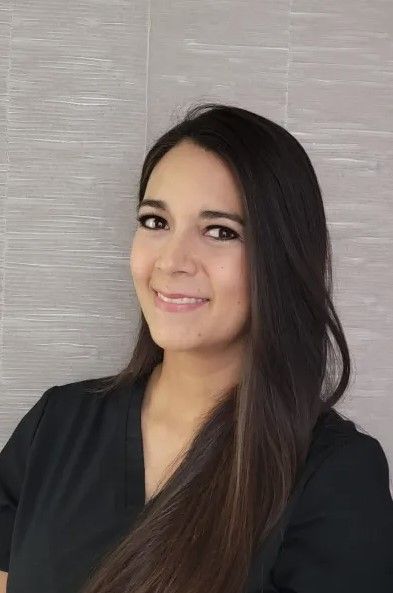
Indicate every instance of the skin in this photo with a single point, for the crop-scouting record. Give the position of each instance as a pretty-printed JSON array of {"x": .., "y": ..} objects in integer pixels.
[{"x": 203, "y": 349}]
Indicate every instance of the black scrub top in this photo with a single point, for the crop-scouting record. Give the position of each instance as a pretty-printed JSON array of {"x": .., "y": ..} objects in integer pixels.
[{"x": 72, "y": 483}]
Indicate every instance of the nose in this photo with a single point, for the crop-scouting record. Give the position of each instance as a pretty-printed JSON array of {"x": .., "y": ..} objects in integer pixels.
[{"x": 177, "y": 253}]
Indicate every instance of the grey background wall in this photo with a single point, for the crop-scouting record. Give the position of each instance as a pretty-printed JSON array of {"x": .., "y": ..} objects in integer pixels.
[{"x": 85, "y": 87}]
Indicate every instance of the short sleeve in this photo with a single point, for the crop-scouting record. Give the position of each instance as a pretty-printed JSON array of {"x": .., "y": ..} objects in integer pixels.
[
  {"x": 340, "y": 536},
  {"x": 13, "y": 462}
]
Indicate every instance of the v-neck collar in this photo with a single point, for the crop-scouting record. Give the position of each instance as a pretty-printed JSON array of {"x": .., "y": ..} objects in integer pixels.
[{"x": 134, "y": 487}]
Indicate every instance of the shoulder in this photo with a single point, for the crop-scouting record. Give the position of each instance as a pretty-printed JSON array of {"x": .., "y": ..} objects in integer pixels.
[
  {"x": 64, "y": 405},
  {"x": 340, "y": 532},
  {"x": 81, "y": 388},
  {"x": 346, "y": 468},
  {"x": 85, "y": 391},
  {"x": 346, "y": 475},
  {"x": 342, "y": 452},
  {"x": 54, "y": 405}
]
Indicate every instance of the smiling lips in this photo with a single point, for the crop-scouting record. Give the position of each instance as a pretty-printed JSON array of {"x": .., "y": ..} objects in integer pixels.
[
  {"x": 178, "y": 295},
  {"x": 178, "y": 305}
]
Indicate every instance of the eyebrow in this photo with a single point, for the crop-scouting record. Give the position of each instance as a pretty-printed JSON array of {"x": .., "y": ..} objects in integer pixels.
[{"x": 209, "y": 214}]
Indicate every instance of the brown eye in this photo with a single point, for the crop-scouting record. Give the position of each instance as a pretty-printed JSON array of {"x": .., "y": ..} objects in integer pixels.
[
  {"x": 226, "y": 230},
  {"x": 222, "y": 229},
  {"x": 142, "y": 220}
]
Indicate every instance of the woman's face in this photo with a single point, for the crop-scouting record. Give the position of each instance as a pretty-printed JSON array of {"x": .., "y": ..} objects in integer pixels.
[{"x": 176, "y": 252}]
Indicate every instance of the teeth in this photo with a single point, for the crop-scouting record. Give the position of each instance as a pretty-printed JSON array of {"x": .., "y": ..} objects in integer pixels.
[{"x": 180, "y": 301}]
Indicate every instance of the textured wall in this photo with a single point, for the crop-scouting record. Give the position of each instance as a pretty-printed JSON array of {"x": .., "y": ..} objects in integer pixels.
[{"x": 85, "y": 86}]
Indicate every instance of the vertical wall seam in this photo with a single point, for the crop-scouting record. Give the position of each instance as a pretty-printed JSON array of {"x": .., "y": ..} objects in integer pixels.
[
  {"x": 7, "y": 159},
  {"x": 289, "y": 60},
  {"x": 147, "y": 69}
]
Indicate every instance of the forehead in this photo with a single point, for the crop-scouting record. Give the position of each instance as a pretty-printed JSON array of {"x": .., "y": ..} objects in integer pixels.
[{"x": 192, "y": 177}]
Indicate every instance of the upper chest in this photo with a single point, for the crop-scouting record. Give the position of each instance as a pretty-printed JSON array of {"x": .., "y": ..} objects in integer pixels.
[{"x": 163, "y": 451}]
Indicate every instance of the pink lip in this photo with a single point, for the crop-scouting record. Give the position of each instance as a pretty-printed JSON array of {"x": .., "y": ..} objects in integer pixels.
[
  {"x": 178, "y": 295},
  {"x": 176, "y": 307}
]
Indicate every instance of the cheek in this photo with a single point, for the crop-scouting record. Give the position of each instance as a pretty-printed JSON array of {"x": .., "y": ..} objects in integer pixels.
[
  {"x": 138, "y": 261},
  {"x": 230, "y": 287},
  {"x": 230, "y": 277}
]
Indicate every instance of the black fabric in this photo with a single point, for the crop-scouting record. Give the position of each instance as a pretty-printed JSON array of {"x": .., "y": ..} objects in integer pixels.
[
  {"x": 72, "y": 484},
  {"x": 336, "y": 534}
]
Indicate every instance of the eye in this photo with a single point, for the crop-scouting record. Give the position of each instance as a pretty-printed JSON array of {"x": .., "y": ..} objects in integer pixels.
[
  {"x": 226, "y": 230},
  {"x": 142, "y": 222}
]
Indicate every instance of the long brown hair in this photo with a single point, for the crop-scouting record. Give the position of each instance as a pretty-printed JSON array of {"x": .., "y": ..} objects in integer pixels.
[{"x": 199, "y": 533}]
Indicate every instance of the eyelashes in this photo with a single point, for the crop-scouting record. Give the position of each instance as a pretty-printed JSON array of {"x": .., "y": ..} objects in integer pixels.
[{"x": 142, "y": 219}]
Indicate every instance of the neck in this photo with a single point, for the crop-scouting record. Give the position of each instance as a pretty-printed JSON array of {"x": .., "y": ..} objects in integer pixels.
[{"x": 179, "y": 396}]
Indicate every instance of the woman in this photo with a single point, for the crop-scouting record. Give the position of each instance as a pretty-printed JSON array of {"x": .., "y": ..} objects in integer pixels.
[{"x": 215, "y": 461}]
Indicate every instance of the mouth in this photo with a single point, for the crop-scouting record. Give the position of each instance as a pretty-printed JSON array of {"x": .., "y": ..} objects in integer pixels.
[
  {"x": 177, "y": 297},
  {"x": 178, "y": 305}
]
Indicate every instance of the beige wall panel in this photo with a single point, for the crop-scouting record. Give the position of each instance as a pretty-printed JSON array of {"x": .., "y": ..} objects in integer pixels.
[{"x": 86, "y": 87}]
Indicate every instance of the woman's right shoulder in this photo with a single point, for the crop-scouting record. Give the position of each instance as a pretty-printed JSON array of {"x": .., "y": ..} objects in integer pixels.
[
  {"x": 85, "y": 390},
  {"x": 76, "y": 397},
  {"x": 60, "y": 406}
]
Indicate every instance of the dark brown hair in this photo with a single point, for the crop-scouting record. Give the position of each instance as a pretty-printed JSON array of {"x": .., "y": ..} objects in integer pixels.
[{"x": 200, "y": 531}]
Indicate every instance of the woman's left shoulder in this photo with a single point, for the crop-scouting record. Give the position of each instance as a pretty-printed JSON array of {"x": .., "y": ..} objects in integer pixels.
[
  {"x": 351, "y": 452},
  {"x": 340, "y": 533}
]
